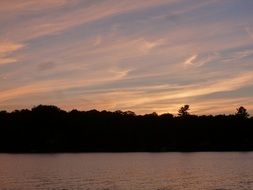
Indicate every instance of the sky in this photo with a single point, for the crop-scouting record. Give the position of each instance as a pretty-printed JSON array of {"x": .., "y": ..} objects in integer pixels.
[{"x": 143, "y": 55}]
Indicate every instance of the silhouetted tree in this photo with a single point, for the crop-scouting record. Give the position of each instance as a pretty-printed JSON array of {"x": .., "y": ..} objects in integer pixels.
[
  {"x": 130, "y": 113},
  {"x": 46, "y": 109},
  {"x": 50, "y": 129},
  {"x": 184, "y": 111},
  {"x": 166, "y": 115},
  {"x": 242, "y": 112},
  {"x": 151, "y": 115}
]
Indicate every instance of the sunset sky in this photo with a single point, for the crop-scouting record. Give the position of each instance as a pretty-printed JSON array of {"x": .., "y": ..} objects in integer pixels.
[{"x": 139, "y": 55}]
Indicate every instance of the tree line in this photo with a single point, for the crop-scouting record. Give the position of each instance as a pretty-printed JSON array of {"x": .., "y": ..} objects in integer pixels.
[{"x": 47, "y": 128}]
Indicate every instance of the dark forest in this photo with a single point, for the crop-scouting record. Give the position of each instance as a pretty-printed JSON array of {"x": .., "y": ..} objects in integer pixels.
[{"x": 47, "y": 128}]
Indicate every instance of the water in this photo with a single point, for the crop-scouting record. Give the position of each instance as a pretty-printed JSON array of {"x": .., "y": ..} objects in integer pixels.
[{"x": 126, "y": 171}]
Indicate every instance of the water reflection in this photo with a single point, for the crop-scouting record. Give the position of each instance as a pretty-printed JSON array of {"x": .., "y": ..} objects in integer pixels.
[{"x": 124, "y": 171}]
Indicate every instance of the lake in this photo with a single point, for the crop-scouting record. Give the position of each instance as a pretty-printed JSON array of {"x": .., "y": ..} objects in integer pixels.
[{"x": 127, "y": 171}]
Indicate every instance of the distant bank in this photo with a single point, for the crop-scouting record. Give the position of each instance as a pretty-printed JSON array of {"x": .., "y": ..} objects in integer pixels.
[{"x": 50, "y": 129}]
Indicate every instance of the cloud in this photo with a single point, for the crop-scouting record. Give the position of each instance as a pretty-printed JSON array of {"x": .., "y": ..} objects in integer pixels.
[
  {"x": 15, "y": 7},
  {"x": 142, "y": 98},
  {"x": 199, "y": 60},
  {"x": 6, "y": 49},
  {"x": 245, "y": 53},
  {"x": 189, "y": 61},
  {"x": 7, "y": 60},
  {"x": 120, "y": 49},
  {"x": 51, "y": 24},
  {"x": 43, "y": 87},
  {"x": 146, "y": 45},
  {"x": 237, "y": 55},
  {"x": 142, "y": 55},
  {"x": 46, "y": 66},
  {"x": 249, "y": 32},
  {"x": 97, "y": 41},
  {"x": 221, "y": 105}
]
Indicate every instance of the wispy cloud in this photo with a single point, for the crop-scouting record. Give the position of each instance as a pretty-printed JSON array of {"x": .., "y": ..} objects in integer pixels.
[
  {"x": 200, "y": 60},
  {"x": 51, "y": 24},
  {"x": 142, "y": 55},
  {"x": 189, "y": 61},
  {"x": 56, "y": 85},
  {"x": 224, "y": 85},
  {"x": 97, "y": 41},
  {"x": 6, "y": 48},
  {"x": 249, "y": 32},
  {"x": 237, "y": 56}
]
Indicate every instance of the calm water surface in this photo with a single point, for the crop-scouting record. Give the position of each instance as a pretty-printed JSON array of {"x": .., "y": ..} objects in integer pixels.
[{"x": 126, "y": 171}]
